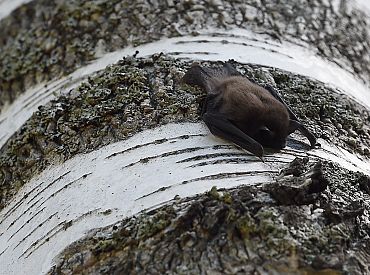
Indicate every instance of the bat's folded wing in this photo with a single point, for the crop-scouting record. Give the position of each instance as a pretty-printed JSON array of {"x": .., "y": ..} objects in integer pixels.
[
  {"x": 220, "y": 126},
  {"x": 296, "y": 125}
]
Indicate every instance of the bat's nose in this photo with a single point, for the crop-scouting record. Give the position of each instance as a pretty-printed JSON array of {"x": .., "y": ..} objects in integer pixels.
[{"x": 282, "y": 144}]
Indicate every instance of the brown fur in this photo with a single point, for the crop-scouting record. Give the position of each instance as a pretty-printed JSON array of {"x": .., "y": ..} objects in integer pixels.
[
  {"x": 244, "y": 112},
  {"x": 250, "y": 106}
]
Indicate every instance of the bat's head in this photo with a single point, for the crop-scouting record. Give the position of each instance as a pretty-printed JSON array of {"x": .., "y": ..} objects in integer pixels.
[
  {"x": 271, "y": 139},
  {"x": 275, "y": 128}
]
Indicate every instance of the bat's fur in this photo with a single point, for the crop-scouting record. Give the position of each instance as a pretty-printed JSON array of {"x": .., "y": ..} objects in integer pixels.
[
  {"x": 251, "y": 108},
  {"x": 243, "y": 112}
]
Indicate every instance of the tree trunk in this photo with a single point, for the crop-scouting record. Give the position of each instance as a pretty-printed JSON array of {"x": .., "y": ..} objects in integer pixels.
[{"x": 107, "y": 168}]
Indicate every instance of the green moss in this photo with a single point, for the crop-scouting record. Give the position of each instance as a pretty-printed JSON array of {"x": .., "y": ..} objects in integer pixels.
[
  {"x": 104, "y": 246},
  {"x": 156, "y": 224},
  {"x": 226, "y": 198},
  {"x": 246, "y": 226},
  {"x": 213, "y": 193}
]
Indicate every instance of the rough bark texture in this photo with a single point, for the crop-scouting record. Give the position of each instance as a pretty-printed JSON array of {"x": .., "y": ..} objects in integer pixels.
[
  {"x": 241, "y": 231},
  {"x": 45, "y": 39},
  {"x": 314, "y": 219},
  {"x": 140, "y": 93}
]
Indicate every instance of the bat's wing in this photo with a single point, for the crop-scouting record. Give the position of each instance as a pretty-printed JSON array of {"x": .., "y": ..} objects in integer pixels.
[
  {"x": 295, "y": 123},
  {"x": 207, "y": 78},
  {"x": 220, "y": 126},
  {"x": 278, "y": 97}
]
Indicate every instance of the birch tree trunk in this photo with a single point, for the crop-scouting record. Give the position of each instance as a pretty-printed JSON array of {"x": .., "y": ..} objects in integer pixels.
[{"x": 107, "y": 168}]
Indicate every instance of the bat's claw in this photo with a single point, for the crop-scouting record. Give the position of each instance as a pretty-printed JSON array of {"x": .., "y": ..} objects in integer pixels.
[{"x": 316, "y": 145}]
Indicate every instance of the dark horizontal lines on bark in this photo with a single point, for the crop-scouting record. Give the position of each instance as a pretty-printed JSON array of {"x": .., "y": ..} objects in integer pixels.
[
  {"x": 23, "y": 213},
  {"x": 230, "y": 157},
  {"x": 33, "y": 102},
  {"x": 61, "y": 85},
  {"x": 232, "y": 161},
  {"x": 158, "y": 141},
  {"x": 24, "y": 197},
  {"x": 12, "y": 209},
  {"x": 27, "y": 222},
  {"x": 50, "y": 184},
  {"x": 36, "y": 97},
  {"x": 64, "y": 187},
  {"x": 36, "y": 93},
  {"x": 56, "y": 228},
  {"x": 213, "y": 155},
  {"x": 54, "y": 231},
  {"x": 233, "y": 35},
  {"x": 37, "y": 227},
  {"x": 222, "y": 161},
  {"x": 235, "y": 43},
  {"x": 211, "y": 177},
  {"x": 294, "y": 151},
  {"x": 311, "y": 155},
  {"x": 178, "y": 152},
  {"x": 156, "y": 191},
  {"x": 185, "y": 52},
  {"x": 1, "y": 253},
  {"x": 230, "y": 175}
]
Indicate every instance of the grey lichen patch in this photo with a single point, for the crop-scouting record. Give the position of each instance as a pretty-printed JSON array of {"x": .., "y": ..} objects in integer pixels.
[
  {"x": 141, "y": 93},
  {"x": 44, "y": 39},
  {"x": 249, "y": 233},
  {"x": 121, "y": 100}
]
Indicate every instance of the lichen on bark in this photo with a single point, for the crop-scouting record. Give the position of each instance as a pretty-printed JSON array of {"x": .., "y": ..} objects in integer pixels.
[
  {"x": 141, "y": 93},
  {"x": 45, "y": 39},
  {"x": 239, "y": 231}
]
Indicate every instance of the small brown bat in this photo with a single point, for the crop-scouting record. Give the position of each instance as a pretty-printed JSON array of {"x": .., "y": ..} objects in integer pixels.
[{"x": 243, "y": 112}]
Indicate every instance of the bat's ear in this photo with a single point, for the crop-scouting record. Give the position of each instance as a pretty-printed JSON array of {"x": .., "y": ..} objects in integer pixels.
[
  {"x": 265, "y": 133},
  {"x": 264, "y": 129},
  {"x": 195, "y": 64},
  {"x": 229, "y": 69},
  {"x": 195, "y": 76},
  {"x": 192, "y": 74}
]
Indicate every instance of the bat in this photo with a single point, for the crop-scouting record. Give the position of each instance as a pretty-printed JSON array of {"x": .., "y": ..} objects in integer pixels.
[{"x": 241, "y": 111}]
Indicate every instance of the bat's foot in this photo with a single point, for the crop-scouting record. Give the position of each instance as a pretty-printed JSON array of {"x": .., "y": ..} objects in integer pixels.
[{"x": 316, "y": 146}]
